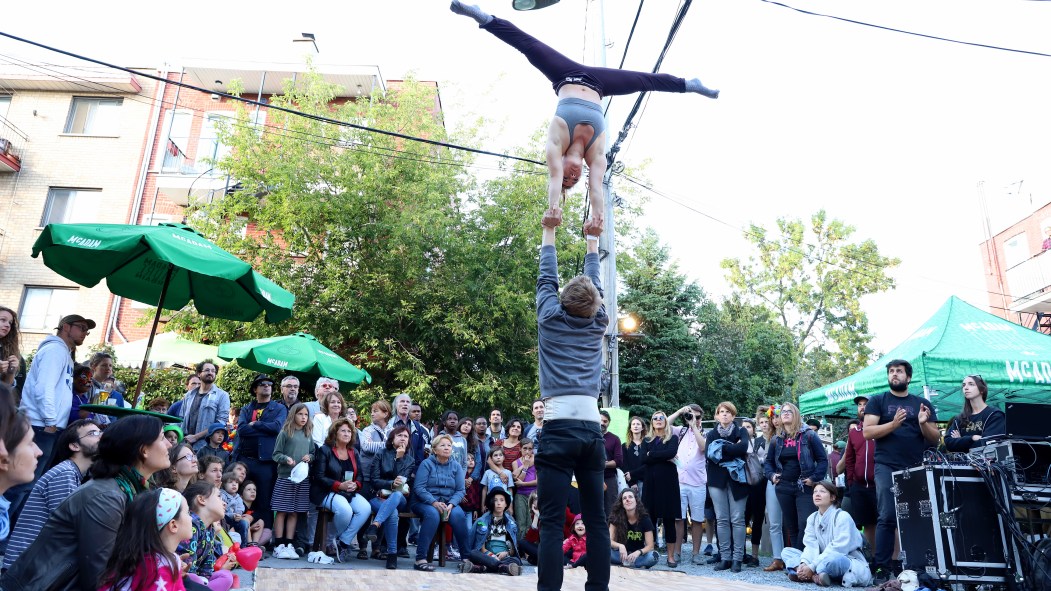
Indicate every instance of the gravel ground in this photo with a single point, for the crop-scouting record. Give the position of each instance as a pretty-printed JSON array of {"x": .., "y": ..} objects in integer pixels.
[{"x": 753, "y": 574}]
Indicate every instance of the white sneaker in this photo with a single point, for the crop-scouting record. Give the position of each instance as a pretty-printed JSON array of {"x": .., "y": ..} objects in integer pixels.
[{"x": 285, "y": 551}]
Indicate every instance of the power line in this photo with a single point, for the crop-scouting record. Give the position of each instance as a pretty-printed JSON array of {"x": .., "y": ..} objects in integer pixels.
[
  {"x": 680, "y": 202},
  {"x": 903, "y": 31},
  {"x": 271, "y": 129},
  {"x": 627, "y": 45},
  {"x": 272, "y": 107}
]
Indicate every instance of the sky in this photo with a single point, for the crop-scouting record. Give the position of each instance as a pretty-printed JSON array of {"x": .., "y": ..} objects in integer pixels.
[{"x": 888, "y": 132}]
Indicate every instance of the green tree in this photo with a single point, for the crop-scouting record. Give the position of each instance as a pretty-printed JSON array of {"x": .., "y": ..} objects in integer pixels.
[
  {"x": 812, "y": 278},
  {"x": 658, "y": 368},
  {"x": 400, "y": 260}
]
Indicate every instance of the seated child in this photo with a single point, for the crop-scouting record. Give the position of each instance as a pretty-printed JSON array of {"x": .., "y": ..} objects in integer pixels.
[
  {"x": 493, "y": 539},
  {"x": 575, "y": 548},
  {"x": 204, "y": 548},
  {"x": 235, "y": 509}
]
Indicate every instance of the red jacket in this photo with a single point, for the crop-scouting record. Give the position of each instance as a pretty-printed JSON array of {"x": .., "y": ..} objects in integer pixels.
[
  {"x": 860, "y": 459},
  {"x": 578, "y": 546}
]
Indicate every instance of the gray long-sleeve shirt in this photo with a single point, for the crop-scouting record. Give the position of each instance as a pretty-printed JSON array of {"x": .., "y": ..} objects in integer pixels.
[{"x": 570, "y": 347}]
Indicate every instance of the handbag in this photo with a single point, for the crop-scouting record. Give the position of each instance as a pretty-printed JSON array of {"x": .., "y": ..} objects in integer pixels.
[{"x": 753, "y": 468}]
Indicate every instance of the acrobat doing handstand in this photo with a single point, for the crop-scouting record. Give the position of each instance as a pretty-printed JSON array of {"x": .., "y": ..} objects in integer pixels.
[{"x": 578, "y": 125}]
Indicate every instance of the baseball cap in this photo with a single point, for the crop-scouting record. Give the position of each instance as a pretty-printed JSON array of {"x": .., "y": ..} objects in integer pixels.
[
  {"x": 860, "y": 398},
  {"x": 73, "y": 319}
]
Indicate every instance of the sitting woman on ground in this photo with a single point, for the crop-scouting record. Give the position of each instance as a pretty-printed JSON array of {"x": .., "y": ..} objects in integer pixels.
[
  {"x": 389, "y": 477},
  {"x": 438, "y": 490},
  {"x": 203, "y": 546},
  {"x": 130, "y": 451},
  {"x": 144, "y": 557},
  {"x": 831, "y": 545},
  {"x": 631, "y": 532},
  {"x": 576, "y": 132},
  {"x": 493, "y": 539},
  {"x": 977, "y": 420},
  {"x": 337, "y": 484}
]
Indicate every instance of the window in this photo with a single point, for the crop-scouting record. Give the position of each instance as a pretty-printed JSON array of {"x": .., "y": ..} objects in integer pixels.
[
  {"x": 1016, "y": 250},
  {"x": 209, "y": 147},
  {"x": 94, "y": 116},
  {"x": 43, "y": 307},
  {"x": 5, "y": 105},
  {"x": 66, "y": 206},
  {"x": 177, "y": 142}
]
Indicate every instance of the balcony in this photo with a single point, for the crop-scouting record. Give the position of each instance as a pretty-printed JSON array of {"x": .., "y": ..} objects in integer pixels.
[
  {"x": 184, "y": 179},
  {"x": 12, "y": 142},
  {"x": 1029, "y": 284}
]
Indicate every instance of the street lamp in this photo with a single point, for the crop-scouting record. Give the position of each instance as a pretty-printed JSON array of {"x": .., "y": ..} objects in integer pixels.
[
  {"x": 629, "y": 323},
  {"x": 532, "y": 4}
]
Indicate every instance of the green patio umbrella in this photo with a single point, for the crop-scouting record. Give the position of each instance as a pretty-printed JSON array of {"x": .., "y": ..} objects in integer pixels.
[
  {"x": 167, "y": 265},
  {"x": 297, "y": 353}
]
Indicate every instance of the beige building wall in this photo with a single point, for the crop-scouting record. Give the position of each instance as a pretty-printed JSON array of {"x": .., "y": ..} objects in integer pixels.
[{"x": 107, "y": 163}]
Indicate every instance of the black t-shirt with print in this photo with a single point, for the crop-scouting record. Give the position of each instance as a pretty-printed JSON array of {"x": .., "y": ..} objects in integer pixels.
[
  {"x": 790, "y": 470},
  {"x": 902, "y": 448},
  {"x": 636, "y": 538}
]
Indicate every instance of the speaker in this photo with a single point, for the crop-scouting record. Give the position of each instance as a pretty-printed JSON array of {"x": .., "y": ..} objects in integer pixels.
[{"x": 948, "y": 525}]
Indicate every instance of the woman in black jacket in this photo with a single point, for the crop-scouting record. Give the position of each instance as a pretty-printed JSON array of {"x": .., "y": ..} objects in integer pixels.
[
  {"x": 729, "y": 495},
  {"x": 661, "y": 493},
  {"x": 337, "y": 484},
  {"x": 634, "y": 463},
  {"x": 389, "y": 476}
]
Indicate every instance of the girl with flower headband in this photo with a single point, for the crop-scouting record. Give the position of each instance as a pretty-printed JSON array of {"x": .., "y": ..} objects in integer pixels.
[{"x": 144, "y": 556}]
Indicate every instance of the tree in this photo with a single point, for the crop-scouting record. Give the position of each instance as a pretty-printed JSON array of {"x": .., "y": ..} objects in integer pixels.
[
  {"x": 399, "y": 259},
  {"x": 813, "y": 278},
  {"x": 658, "y": 368}
]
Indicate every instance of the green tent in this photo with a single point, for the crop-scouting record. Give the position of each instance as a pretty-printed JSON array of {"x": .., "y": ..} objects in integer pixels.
[{"x": 959, "y": 340}]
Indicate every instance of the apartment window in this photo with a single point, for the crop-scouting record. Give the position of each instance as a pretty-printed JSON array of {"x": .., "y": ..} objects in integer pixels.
[
  {"x": 43, "y": 307},
  {"x": 66, "y": 206},
  {"x": 94, "y": 116},
  {"x": 1016, "y": 250},
  {"x": 5, "y": 105},
  {"x": 177, "y": 142}
]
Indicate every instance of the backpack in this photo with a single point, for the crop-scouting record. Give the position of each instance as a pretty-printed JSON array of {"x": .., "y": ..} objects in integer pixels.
[{"x": 753, "y": 466}]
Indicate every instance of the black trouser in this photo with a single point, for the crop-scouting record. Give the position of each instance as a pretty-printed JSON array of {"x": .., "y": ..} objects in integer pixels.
[
  {"x": 557, "y": 67},
  {"x": 796, "y": 505},
  {"x": 569, "y": 448},
  {"x": 754, "y": 512},
  {"x": 264, "y": 474},
  {"x": 491, "y": 563},
  {"x": 528, "y": 550}
]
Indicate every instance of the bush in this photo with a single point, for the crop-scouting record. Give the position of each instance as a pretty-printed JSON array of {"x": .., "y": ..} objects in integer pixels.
[{"x": 168, "y": 383}]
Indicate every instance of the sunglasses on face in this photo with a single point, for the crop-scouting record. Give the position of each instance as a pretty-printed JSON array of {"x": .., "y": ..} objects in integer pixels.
[{"x": 658, "y": 418}]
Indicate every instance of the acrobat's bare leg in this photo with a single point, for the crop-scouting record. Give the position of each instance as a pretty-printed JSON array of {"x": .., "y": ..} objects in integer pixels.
[
  {"x": 470, "y": 10},
  {"x": 695, "y": 85}
]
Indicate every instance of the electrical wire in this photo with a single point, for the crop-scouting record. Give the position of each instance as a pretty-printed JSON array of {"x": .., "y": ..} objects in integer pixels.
[
  {"x": 627, "y": 45},
  {"x": 271, "y": 107},
  {"x": 905, "y": 32},
  {"x": 94, "y": 86}
]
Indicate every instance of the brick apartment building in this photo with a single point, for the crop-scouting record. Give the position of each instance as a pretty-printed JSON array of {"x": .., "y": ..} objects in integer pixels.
[
  {"x": 149, "y": 163},
  {"x": 73, "y": 141},
  {"x": 1017, "y": 225}
]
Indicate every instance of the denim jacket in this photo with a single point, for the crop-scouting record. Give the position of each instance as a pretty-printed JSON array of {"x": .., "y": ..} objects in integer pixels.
[
  {"x": 813, "y": 461},
  {"x": 480, "y": 532}
]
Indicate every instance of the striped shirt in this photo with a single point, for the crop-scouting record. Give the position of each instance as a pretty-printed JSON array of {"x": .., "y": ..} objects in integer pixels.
[{"x": 47, "y": 494}]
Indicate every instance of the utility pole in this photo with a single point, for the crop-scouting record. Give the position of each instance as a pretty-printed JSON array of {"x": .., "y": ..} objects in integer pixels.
[{"x": 608, "y": 240}]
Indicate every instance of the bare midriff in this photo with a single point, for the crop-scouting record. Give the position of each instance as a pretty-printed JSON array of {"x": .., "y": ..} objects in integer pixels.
[{"x": 579, "y": 91}]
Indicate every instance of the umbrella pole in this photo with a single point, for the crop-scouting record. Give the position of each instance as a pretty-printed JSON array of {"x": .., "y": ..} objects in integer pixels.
[{"x": 153, "y": 331}]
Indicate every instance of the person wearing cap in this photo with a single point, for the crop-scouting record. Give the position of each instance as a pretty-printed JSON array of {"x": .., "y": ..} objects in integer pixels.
[
  {"x": 48, "y": 393},
  {"x": 173, "y": 433},
  {"x": 257, "y": 430},
  {"x": 493, "y": 539},
  {"x": 217, "y": 436},
  {"x": 204, "y": 405}
]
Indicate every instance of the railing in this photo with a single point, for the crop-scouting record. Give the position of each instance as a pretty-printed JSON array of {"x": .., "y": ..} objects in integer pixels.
[
  {"x": 12, "y": 140},
  {"x": 178, "y": 161},
  {"x": 1029, "y": 277}
]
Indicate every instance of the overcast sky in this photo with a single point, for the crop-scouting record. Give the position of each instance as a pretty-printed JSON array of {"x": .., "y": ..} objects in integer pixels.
[{"x": 889, "y": 132}]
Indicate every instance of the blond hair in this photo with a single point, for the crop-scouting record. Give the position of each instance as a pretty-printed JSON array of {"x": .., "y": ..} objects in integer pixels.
[
  {"x": 580, "y": 297},
  {"x": 666, "y": 435},
  {"x": 790, "y": 430}
]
